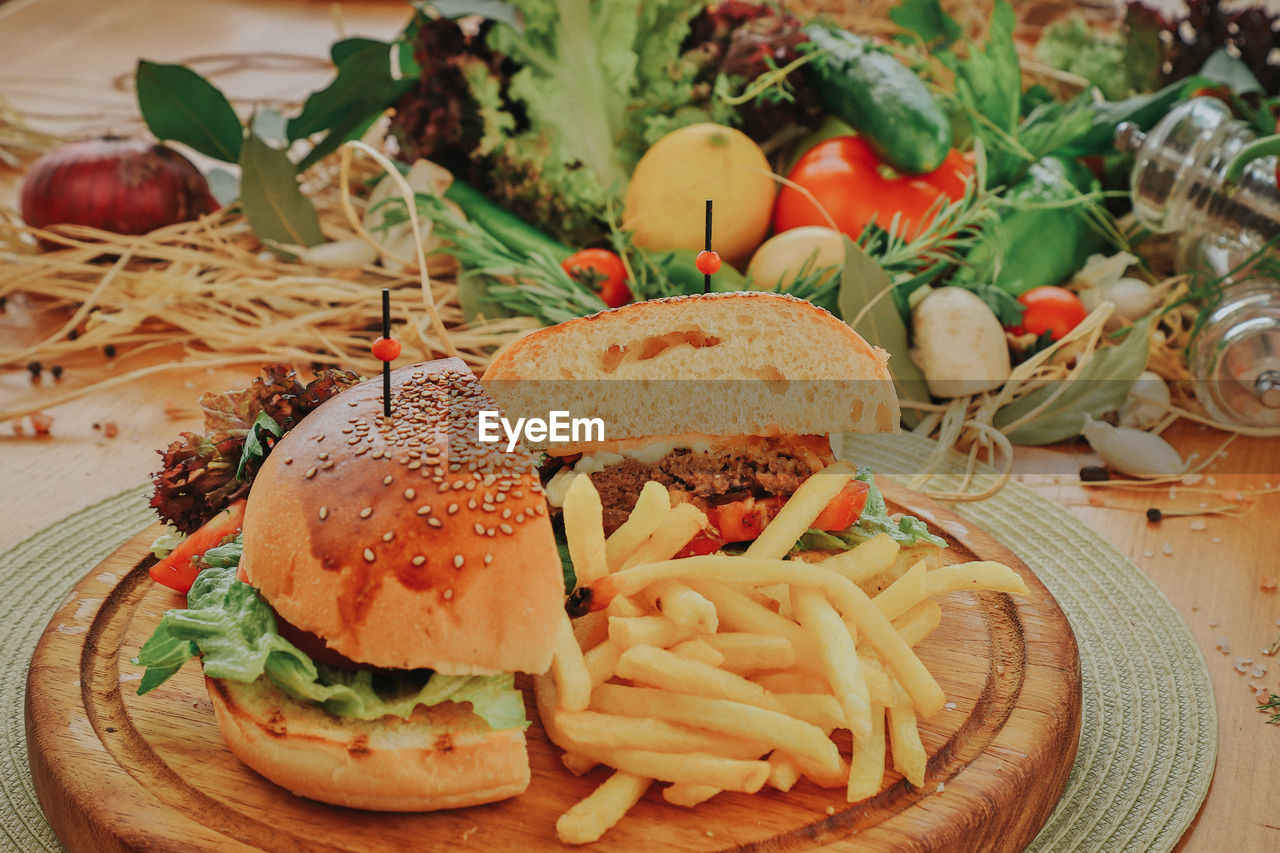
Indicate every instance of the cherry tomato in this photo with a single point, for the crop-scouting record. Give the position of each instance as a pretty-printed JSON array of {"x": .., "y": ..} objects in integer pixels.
[
  {"x": 603, "y": 272},
  {"x": 851, "y": 183},
  {"x": 386, "y": 349},
  {"x": 178, "y": 570},
  {"x": 1055, "y": 310},
  {"x": 707, "y": 262}
]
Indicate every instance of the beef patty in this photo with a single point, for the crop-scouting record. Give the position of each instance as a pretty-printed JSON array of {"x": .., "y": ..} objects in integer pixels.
[{"x": 761, "y": 468}]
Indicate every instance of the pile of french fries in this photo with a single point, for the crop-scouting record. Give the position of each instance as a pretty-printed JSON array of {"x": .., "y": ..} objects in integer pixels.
[{"x": 726, "y": 673}]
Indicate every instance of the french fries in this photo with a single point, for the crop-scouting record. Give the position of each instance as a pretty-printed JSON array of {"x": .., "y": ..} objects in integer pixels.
[
  {"x": 584, "y": 528},
  {"x": 650, "y": 511},
  {"x": 719, "y": 673},
  {"x": 591, "y": 818}
]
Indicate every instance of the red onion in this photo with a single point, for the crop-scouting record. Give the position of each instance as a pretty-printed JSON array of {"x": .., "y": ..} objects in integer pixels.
[{"x": 128, "y": 186}]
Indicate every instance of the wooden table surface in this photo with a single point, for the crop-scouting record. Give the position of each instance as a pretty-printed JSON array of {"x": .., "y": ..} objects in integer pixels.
[{"x": 1210, "y": 567}]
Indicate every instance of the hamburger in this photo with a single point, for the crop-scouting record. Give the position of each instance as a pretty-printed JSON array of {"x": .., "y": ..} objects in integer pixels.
[
  {"x": 359, "y": 638},
  {"x": 727, "y": 399}
]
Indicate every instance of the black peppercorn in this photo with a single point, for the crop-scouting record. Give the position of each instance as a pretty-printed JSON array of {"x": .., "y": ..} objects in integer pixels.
[
  {"x": 109, "y": 350},
  {"x": 56, "y": 370},
  {"x": 1094, "y": 474},
  {"x": 34, "y": 368},
  {"x": 1154, "y": 514}
]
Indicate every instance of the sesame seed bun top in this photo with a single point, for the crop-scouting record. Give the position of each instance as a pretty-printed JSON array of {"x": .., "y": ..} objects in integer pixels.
[{"x": 406, "y": 543}]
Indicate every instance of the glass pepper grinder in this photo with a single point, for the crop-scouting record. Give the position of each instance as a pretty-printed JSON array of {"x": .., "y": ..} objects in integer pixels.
[{"x": 1228, "y": 232}]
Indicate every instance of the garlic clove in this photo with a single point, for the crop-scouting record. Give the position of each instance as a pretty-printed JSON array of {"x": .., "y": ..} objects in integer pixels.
[
  {"x": 1147, "y": 403},
  {"x": 340, "y": 254},
  {"x": 1132, "y": 451},
  {"x": 1132, "y": 297}
]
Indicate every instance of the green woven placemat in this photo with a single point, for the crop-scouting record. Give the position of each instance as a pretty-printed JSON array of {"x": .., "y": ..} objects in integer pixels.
[{"x": 1149, "y": 726}]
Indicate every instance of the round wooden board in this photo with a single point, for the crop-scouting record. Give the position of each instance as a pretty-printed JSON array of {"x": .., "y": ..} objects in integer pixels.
[{"x": 115, "y": 771}]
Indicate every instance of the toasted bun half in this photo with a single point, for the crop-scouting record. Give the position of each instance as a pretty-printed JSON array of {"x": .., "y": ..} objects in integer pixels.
[
  {"x": 677, "y": 365},
  {"x": 443, "y": 757},
  {"x": 406, "y": 543}
]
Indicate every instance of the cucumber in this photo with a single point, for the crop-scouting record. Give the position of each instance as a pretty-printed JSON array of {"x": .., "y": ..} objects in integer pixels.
[
  {"x": 880, "y": 98},
  {"x": 509, "y": 229}
]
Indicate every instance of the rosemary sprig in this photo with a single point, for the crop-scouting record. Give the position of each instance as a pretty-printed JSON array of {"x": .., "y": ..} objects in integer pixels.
[
  {"x": 527, "y": 284},
  {"x": 1272, "y": 705}
]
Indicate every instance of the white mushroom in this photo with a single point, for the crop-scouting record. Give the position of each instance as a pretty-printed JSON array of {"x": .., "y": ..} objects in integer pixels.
[{"x": 960, "y": 345}]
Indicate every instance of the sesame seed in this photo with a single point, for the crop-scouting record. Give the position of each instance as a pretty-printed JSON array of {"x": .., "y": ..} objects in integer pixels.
[
  {"x": 507, "y": 529},
  {"x": 448, "y": 594},
  {"x": 366, "y": 512},
  {"x": 506, "y": 513},
  {"x": 386, "y": 481},
  {"x": 539, "y": 509},
  {"x": 425, "y": 509},
  {"x": 435, "y": 522},
  {"x": 500, "y": 497},
  {"x": 323, "y": 456},
  {"x": 418, "y": 560},
  {"x": 458, "y": 561},
  {"x": 488, "y": 507},
  {"x": 368, "y": 555},
  {"x": 351, "y": 403},
  {"x": 471, "y": 486},
  {"x": 288, "y": 460},
  {"x": 471, "y": 504},
  {"x": 415, "y": 465},
  {"x": 479, "y": 529},
  {"x": 452, "y": 509},
  {"x": 319, "y": 438},
  {"x": 362, "y": 451},
  {"x": 324, "y": 513},
  {"x": 311, "y": 472},
  {"x": 517, "y": 494},
  {"x": 388, "y": 536},
  {"x": 410, "y": 494},
  {"x": 488, "y": 558},
  {"x": 326, "y": 466},
  {"x": 519, "y": 518}
]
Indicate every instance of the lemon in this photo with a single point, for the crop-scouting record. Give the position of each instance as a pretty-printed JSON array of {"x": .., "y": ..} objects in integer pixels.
[{"x": 666, "y": 199}]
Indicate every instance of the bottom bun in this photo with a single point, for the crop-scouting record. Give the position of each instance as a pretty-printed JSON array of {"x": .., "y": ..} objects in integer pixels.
[{"x": 442, "y": 757}]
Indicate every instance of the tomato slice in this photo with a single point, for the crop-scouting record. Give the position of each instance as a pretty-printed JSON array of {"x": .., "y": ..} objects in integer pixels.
[
  {"x": 844, "y": 508},
  {"x": 178, "y": 570},
  {"x": 703, "y": 543},
  {"x": 742, "y": 521}
]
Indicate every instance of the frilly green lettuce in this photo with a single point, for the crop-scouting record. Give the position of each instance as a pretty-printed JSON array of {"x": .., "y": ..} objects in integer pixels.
[{"x": 234, "y": 632}]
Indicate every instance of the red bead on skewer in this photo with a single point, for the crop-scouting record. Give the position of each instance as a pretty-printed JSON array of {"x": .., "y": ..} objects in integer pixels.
[
  {"x": 708, "y": 262},
  {"x": 386, "y": 349}
]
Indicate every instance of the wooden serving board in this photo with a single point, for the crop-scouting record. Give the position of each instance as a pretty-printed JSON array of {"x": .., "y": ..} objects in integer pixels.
[{"x": 116, "y": 771}]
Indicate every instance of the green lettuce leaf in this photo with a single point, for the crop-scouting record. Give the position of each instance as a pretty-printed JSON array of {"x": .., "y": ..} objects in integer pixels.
[
  {"x": 907, "y": 530},
  {"x": 234, "y": 631}
]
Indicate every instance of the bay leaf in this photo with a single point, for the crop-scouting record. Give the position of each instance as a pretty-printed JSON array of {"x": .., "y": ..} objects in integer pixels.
[
  {"x": 1101, "y": 386},
  {"x": 863, "y": 279},
  {"x": 365, "y": 86},
  {"x": 271, "y": 198},
  {"x": 181, "y": 106}
]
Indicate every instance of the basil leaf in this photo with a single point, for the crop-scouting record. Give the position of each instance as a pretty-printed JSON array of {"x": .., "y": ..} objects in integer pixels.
[
  {"x": 271, "y": 199},
  {"x": 861, "y": 280},
  {"x": 926, "y": 19},
  {"x": 256, "y": 446},
  {"x": 180, "y": 105},
  {"x": 366, "y": 85},
  {"x": 1101, "y": 386}
]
